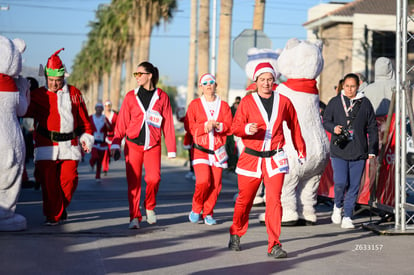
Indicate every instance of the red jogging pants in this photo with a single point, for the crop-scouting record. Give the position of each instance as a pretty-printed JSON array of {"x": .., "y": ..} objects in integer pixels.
[
  {"x": 97, "y": 157},
  {"x": 247, "y": 191},
  {"x": 59, "y": 179},
  {"x": 135, "y": 157},
  {"x": 106, "y": 159},
  {"x": 207, "y": 188}
]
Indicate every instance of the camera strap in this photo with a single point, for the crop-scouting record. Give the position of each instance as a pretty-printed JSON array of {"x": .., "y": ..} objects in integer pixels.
[{"x": 354, "y": 111}]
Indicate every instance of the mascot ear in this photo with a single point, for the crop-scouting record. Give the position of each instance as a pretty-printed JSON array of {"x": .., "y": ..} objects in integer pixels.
[
  {"x": 20, "y": 44},
  {"x": 291, "y": 43}
]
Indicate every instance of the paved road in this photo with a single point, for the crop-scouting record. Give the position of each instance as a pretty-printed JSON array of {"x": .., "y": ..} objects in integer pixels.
[{"x": 95, "y": 239}]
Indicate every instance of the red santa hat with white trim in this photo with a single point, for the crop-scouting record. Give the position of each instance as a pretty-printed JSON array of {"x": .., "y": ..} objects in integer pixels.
[{"x": 264, "y": 67}]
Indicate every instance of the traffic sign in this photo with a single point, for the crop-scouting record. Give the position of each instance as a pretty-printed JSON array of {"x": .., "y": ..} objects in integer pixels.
[{"x": 247, "y": 39}]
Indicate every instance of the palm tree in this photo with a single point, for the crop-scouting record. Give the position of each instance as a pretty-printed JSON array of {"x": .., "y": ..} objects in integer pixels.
[
  {"x": 258, "y": 17},
  {"x": 203, "y": 38},
  {"x": 120, "y": 39},
  {"x": 192, "y": 73},
  {"x": 150, "y": 13},
  {"x": 223, "y": 61},
  {"x": 85, "y": 76},
  {"x": 117, "y": 30}
]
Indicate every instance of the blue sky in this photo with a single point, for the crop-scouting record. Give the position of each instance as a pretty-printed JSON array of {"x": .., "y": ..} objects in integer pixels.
[{"x": 48, "y": 25}]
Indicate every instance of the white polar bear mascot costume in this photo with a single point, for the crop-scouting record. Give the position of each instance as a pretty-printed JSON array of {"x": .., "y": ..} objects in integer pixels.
[
  {"x": 14, "y": 99},
  {"x": 301, "y": 62}
]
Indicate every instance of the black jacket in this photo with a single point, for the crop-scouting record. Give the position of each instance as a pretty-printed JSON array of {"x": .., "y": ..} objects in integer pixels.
[{"x": 365, "y": 131}]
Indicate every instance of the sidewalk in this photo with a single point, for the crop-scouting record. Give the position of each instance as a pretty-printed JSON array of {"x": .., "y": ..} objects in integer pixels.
[{"x": 96, "y": 240}]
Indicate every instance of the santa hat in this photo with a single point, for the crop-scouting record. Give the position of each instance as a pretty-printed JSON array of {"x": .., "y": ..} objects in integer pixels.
[
  {"x": 108, "y": 102},
  {"x": 54, "y": 66},
  {"x": 264, "y": 68},
  {"x": 206, "y": 77}
]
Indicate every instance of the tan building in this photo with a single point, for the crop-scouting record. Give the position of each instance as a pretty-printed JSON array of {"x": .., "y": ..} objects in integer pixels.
[{"x": 354, "y": 35}]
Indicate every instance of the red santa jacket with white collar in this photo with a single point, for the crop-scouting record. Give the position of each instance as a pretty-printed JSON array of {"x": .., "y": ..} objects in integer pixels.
[
  {"x": 112, "y": 117},
  {"x": 63, "y": 112},
  {"x": 198, "y": 114},
  {"x": 101, "y": 127},
  {"x": 270, "y": 135},
  {"x": 132, "y": 117}
]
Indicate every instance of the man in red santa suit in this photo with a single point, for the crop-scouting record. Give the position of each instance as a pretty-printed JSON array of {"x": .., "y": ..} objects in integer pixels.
[
  {"x": 209, "y": 120},
  {"x": 259, "y": 123},
  {"x": 61, "y": 127},
  {"x": 111, "y": 116},
  {"x": 101, "y": 127}
]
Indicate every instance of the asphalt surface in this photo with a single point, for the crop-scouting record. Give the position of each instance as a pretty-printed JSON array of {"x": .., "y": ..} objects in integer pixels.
[{"x": 96, "y": 240}]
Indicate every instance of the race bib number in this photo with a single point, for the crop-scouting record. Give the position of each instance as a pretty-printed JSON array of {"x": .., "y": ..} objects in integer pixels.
[
  {"x": 154, "y": 119},
  {"x": 98, "y": 136},
  {"x": 281, "y": 161},
  {"x": 221, "y": 154}
]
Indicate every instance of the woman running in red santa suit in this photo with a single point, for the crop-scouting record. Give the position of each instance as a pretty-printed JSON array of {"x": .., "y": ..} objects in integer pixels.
[
  {"x": 144, "y": 114},
  {"x": 209, "y": 120},
  {"x": 112, "y": 116},
  {"x": 101, "y": 127},
  {"x": 259, "y": 123}
]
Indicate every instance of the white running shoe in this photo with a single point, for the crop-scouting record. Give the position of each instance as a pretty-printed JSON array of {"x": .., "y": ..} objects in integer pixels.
[
  {"x": 134, "y": 224},
  {"x": 347, "y": 223},
  {"x": 258, "y": 200},
  {"x": 262, "y": 217},
  {"x": 189, "y": 175},
  {"x": 336, "y": 215},
  {"x": 151, "y": 217}
]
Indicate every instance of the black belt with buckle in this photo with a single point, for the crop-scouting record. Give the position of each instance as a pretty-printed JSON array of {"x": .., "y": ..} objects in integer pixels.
[
  {"x": 205, "y": 150},
  {"x": 57, "y": 136},
  {"x": 262, "y": 154}
]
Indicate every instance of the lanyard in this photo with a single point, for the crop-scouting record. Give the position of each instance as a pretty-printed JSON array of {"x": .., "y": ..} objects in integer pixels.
[{"x": 347, "y": 109}]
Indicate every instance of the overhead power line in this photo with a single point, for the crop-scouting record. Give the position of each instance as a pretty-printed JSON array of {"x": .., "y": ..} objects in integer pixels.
[{"x": 47, "y": 7}]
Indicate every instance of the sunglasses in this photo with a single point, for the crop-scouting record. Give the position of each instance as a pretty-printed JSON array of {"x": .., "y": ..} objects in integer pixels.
[
  {"x": 139, "y": 74},
  {"x": 205, "y": 83}
]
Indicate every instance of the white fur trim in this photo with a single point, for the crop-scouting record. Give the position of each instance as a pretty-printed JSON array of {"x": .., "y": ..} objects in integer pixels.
[
  {"x": 201, "y": 161},
  {"x": 53, "y": 153},
  {"x": 220, "y": 129},
  {"x": 253, "y": 174},
  {"x": 65, "y": 110},
  {"x": 262, "y": 71},
  {"x": 247, "y": 129},
  {"x": 172, "y": 155}
]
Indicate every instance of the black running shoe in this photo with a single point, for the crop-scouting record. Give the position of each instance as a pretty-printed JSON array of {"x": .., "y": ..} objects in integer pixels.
[
  {"x": 234, "y": 243},
  {"x": 277, "y": 252}
]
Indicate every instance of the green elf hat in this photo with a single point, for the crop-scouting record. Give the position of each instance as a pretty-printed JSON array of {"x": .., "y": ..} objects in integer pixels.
[{"x": 54, "y": 66}]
